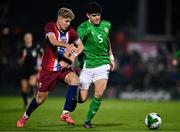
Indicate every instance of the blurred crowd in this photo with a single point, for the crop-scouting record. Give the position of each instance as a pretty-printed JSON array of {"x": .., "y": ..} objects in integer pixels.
[
  {"x": 137, "y": 72},
  {"x": 133, "y": 71}
]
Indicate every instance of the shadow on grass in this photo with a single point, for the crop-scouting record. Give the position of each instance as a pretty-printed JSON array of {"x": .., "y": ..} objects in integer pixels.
[
  {"x": 14, "y": 110},
  {"x": 81, "y": 125},
  {"x": 76, "y": 127},
  {"x": 63, "y": 127}
]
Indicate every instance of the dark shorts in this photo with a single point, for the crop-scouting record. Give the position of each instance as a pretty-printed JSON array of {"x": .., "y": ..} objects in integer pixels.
[
  {"x": 47, "y": 79},
  {"x": 26, "y": 72}
]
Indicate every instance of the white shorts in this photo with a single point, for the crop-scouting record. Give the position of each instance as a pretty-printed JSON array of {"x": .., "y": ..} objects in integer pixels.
[{"x": 90, "y": 75}]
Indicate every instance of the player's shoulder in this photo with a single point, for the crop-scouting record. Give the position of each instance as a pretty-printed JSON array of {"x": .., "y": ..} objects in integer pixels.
[
  {"x": 71, "y": 29},
  {"x": 51, "y": 23},
  {"x": 84, "y": 24},
  {"x": 105, "y": 22}
]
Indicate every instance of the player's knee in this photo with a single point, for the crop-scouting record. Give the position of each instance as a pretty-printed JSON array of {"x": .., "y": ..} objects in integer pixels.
[
  {"x": 98, "y": 94},
  {"x": 82, "y": 100},
  {"x": 40, "y": 100},
  {"x": 74, "y": 81},
  {"x": 82, "y": 97}
]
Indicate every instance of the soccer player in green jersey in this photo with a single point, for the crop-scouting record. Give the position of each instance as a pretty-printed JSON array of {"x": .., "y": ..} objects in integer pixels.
[
  {"x": 97, "y": 58},
  {"x": 176, "y": 55}
]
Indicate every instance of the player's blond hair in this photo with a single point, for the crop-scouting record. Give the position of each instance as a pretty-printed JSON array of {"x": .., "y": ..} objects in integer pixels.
[{"x": 66, "y": 13}]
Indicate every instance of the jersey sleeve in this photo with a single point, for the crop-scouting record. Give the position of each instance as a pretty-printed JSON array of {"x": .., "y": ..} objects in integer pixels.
[
  {"x": 82, "y": 32},
  {"x": 108, "y": 23},
  {"x": 176, "y": 54},
  {"x": 49, "y": 28},
  {"x": 73, "y": 35}
]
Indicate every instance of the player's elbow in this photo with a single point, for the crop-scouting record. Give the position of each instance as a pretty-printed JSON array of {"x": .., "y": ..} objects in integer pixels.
[{"x": 52, "y": 41}]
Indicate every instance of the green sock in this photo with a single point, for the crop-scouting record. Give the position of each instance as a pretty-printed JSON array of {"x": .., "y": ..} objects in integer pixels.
[{"x": 93, "y": 108}]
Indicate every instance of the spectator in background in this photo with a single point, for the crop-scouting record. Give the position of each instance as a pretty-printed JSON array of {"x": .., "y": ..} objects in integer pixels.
[
  {"x": 175, "y": 75},
  {"x": 29, "y": 55}
]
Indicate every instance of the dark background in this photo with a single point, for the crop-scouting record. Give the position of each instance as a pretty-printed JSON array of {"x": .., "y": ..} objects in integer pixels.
[
  {"x": 156, "y": 21},
  {"x": 33, "y": 14}
]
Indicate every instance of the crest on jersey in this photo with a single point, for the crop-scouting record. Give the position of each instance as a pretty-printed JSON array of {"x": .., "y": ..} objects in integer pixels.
[{"x": 106, "y": 29}]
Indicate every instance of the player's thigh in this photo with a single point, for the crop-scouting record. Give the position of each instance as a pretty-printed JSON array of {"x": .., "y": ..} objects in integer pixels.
[
  {"x": 41, "y": 97},
  {"x": 101, "y": 75},
  {"x": 71, "y": 79},
  {"x": 33, "y": 80},
  {"x": 68, "y": 76},
  {"x": 99, "y": 87},
  {"x": 24, "y": 85},
  {"x": 85, "y": 78},
  {"x": 101, "y": 72}
]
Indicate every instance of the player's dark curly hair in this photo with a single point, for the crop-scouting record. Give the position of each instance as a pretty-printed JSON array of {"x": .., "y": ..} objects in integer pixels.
[{"x": 93, "y": 7}]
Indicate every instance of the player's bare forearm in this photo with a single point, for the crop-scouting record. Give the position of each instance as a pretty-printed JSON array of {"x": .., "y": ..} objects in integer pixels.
[
  {"x": 67, "y": 61},
  {"x": 54, "y": 41},
  {"x": 72, "y": 55},
  {"x": 69, "y": 56},
  {"x": 111, "y": 56},
  {"x": 80, "y": 47},
  {"x": 110, "y": 48}
]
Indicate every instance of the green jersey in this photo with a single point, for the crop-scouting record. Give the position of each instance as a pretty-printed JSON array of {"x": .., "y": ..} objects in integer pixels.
[
  {"x": 176, "y": 54},
  {"x": 96, "y": 47}
]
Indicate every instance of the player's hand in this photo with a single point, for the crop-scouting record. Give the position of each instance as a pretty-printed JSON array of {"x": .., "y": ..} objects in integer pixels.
[
  {"x": 64, "y": 64},
  {"x": 24, "y": 53},
  {"x": 69, "y": 56},
  {"x": 174, "y": 62},
  {"x": 112, "y": 62},
  {"x": 71, "y": 48}
]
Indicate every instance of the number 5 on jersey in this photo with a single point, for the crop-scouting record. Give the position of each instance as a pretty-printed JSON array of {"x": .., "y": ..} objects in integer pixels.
[{"x": 100, "y": 38}]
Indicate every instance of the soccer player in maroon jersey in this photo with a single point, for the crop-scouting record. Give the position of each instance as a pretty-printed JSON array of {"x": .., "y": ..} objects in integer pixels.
[{"x": 56, "y": 65}]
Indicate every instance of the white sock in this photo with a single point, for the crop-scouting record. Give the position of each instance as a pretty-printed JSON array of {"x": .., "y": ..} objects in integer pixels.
[
  {"x": 25, "y": 115},
  {"x": 65, "y": 112}
]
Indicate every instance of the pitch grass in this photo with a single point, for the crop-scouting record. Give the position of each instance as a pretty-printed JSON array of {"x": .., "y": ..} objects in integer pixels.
[{"x": 113, "y": 116}]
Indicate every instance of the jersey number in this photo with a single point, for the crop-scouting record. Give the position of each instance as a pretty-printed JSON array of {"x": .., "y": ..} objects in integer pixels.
[{"x": 100, "y": 38}]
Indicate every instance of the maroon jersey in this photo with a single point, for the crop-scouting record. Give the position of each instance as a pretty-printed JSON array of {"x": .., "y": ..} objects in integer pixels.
[{"x": 51, "y": 56}]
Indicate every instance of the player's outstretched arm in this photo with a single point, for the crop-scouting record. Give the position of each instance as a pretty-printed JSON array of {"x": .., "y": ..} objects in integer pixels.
[
  {"x": 111, "y": 56},
  {"x": 72, "y": 55},
  {"x": 55, "y": 42},
  {"x": 80, "y": 47},
  {"x": 22, "y": 57}
]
